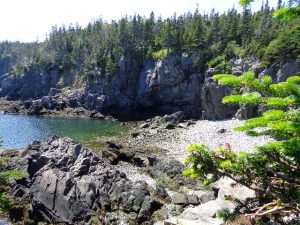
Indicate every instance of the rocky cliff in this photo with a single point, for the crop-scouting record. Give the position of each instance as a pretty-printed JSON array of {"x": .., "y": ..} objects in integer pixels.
[{"x": 161, "y": 87}]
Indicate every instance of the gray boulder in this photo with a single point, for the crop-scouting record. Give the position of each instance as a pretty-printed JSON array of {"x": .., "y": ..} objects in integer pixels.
[
  {"x": 211, "y": 98},
  {"x": 69, "y": 184},
  {"x": 280, "y": 73}
]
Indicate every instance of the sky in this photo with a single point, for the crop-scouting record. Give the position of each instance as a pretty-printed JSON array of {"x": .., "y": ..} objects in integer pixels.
[{"x": 31, "y": 20}]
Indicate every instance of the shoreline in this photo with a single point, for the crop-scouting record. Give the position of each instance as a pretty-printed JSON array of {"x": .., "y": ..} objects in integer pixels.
[
  {"x": 166, "y": 143},
  {"x": 214, "y": 134}
]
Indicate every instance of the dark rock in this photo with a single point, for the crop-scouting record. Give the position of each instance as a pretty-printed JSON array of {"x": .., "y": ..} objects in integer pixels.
[
  {"x": 222, "y": 131},
  {"x": 10, "y": 153},
  {"x": 169, "y": 166},
  {"x": 96, "y": 115},
  {"x": 174, "y": 118},
  {"x": 135, "y": 133},
  {"x": 161, "y": 192},
  {"x": 163, "y": 87},
  {"x": 35, "y": 108},
  {"x": 113, "y": 145},
  {"x": 280, "y": 73},
  {"x": 168, "y": 86},
  {"x": 193, "y": 199},
  {"x": 170, "y": 126},
  {"x": 148, "y": 207},
  {"x": 69, "y": 184},
  {"x": 144, "y": 125},
  {"x": 54, "y": 91}
]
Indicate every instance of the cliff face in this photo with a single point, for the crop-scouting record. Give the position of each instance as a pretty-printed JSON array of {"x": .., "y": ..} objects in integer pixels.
[{"x": 161, "y": 87}]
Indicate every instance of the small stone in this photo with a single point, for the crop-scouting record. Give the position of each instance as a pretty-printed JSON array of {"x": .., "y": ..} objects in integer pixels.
[
  {"x": 161, "y": 192},
  {"x": 193, "y": 199},
  {"x": 153, "y": 132},
  {"x": 135, "y": 133},
  {"x": 180, "y": 199},
  {"x": 222, "y": 131},
  {"x": 144, "y": 125},
  {"x": 182, "y": 125},
  {"x": 170, "y": 126},
  {"x": 207, "y": 197}
]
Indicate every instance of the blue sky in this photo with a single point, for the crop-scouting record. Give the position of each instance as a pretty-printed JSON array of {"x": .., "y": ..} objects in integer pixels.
[{"x": 29, "y": 20}]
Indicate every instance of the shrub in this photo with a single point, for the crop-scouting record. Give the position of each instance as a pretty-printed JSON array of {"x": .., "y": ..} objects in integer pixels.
[
  {"x": 161, "y": 54},
  {"x": 273, "y": 171},
  {"x": 283, "y": 48},
  {"x": 6, "y": 176}
]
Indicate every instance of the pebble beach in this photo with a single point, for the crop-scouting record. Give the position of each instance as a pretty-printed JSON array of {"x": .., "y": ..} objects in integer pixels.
[{"x": 211, "y": 133}]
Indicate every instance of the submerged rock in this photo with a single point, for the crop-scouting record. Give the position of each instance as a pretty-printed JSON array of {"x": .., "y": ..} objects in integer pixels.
[{"x": 69, "y": 184}]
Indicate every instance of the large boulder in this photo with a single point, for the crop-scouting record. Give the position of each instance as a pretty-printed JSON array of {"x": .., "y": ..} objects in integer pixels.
[{"x": 69, "y": 184}]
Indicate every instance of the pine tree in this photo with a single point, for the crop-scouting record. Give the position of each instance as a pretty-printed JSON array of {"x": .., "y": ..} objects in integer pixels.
[{"x": 273, "y": 171}]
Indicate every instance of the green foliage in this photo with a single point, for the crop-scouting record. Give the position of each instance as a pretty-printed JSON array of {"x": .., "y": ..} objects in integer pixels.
[
  {"x": 287, "y": 14},
  {"x": 216, "y": 61},
  {"x": 273, "y": 170},
  {"x": 233, "y": 50},
  {"x": 227, "y": 216},
  {"x": 110, "y": 67},
  {"x": 161, "y": 54},
  {"x": 215, "y": 38},
  {"x": 220, "y": 64},
  {"x": 6, "y": 176},
  {"x": 285, "y": 47},
  {"x": 5, "y": 202},
  {"x": 245, "y": 2}
]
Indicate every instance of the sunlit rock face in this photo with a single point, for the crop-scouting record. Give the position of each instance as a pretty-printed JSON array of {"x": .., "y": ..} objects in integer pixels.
[{"x": 68, "y": 183}]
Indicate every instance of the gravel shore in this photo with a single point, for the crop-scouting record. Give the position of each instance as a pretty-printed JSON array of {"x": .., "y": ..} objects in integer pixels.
[{"x": 211, "y": 133}]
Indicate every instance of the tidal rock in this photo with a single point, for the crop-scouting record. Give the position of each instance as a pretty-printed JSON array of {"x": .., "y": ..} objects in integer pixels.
[{"x": 69, "y": 184}]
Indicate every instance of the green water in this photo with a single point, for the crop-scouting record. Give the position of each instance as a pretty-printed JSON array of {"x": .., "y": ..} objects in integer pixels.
[{"x": 17, "y": 131}]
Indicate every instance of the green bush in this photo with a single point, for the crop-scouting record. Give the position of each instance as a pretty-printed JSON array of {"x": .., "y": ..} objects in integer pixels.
[
  {"x": 273, "y": 171},
  {"x": 233, "y": 50},
  {"x": 220, "y": 64},
  {"x": 283, "y": 48},
  {"x": 6, "y": 176},
  {"x": 161, "y": 54},
  {"x": 216, "y": 61}
]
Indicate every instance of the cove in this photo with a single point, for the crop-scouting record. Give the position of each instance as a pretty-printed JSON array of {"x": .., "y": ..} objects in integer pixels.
[{"x": 17, "y": 131}]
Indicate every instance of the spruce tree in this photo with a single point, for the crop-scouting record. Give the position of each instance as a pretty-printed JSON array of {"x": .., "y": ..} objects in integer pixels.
[{"x": 273, "y": 170}]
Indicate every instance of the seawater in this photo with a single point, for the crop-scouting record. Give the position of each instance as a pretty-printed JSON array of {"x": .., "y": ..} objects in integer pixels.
[{"x": 17, "y": 131}]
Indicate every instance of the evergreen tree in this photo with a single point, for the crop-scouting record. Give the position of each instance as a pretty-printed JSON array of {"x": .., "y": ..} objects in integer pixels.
[{"x": 273, "y": 170}]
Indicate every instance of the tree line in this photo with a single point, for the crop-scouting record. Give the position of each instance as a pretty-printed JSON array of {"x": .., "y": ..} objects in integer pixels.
[{"x": 214, "y": 38}]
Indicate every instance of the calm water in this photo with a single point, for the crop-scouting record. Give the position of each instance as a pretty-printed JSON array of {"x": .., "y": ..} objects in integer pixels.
[{"x": 17, "y": 131}]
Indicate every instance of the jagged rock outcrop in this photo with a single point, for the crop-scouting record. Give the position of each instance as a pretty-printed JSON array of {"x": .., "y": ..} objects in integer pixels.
[
  {"x": 211, "y": 97},
  {"x": 280, "y": 73},
  {"x": 160, "y": 87},
  {"x": 32, "y": 84},
  {"x": 69, "y": 184},
  {"x": 166, "y": 87}
]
